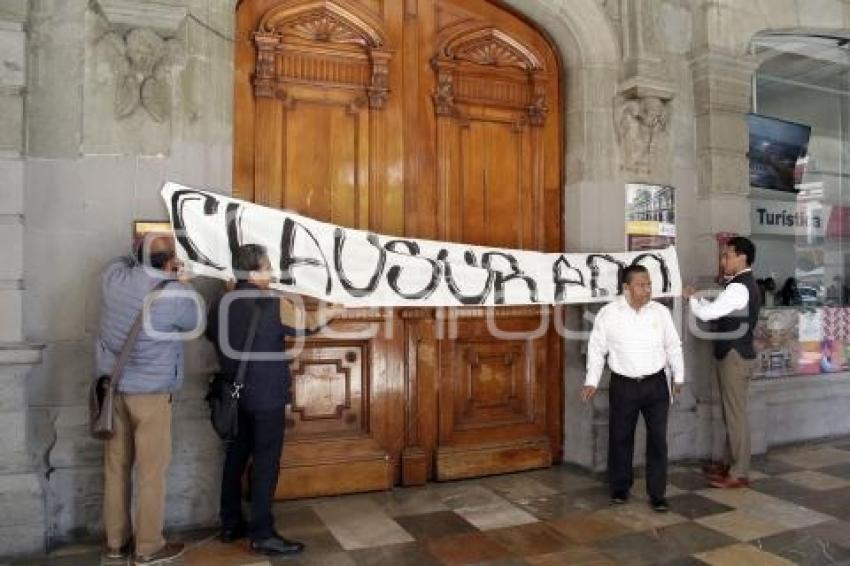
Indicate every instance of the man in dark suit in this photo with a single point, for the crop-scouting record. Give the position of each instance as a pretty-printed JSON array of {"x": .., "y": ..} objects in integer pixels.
[{"x": 264, "y": 397}]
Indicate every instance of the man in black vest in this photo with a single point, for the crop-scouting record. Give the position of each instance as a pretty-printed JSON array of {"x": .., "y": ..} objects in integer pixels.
[
  {"x": 262, "y": 402},
  {"x": 735, "y": 312}
]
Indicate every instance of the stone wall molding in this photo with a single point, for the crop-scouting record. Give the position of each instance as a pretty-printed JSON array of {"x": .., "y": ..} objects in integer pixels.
[
  {"x": 13, "y": 354},
  {"x": 643, "y": 70},
  {"x": 163, "y": 19}
]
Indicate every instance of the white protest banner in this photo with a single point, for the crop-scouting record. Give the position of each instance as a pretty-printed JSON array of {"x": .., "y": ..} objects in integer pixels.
[{"x": 362, "y": 269}]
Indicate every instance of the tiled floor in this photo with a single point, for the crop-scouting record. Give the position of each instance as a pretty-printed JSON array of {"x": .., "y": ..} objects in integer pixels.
[{"x": 797, "y": 511}]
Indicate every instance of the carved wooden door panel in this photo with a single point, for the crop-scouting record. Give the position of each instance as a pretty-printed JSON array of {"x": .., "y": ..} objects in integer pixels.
[
  {"x": 341, "y": 424},
  {"x": 313, "y": 110},
  {"x": 492, "y": 393},
  {"x": 486, "y": 397},
  {"x": 437, "y": 119}
]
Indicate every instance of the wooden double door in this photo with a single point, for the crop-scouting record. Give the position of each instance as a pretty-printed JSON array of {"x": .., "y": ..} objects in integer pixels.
[{"x": 437, "y": 119}]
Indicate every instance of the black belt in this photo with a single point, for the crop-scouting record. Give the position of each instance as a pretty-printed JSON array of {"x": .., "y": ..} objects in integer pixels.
[{"x": 659, "y": 373}]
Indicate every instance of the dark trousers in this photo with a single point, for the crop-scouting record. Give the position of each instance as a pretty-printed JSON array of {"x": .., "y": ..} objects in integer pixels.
[
  {"x": 260, "y": 439},
  {"x": 628, "y": 398}
]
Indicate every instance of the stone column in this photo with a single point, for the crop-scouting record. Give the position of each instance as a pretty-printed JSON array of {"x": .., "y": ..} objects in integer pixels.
[
  {"x": 22, "y": 518},
  {"x": 593, "y": 194},
  {"x": 631, "y": 102},
  {"x": 722, "y": 90},
  {"x": 594, "y": 221},
  {"x": 642, "y": 108}
]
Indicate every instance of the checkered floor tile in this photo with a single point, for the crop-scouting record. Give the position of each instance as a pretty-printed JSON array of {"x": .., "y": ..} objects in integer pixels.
[{"x": 796, "y": 511}]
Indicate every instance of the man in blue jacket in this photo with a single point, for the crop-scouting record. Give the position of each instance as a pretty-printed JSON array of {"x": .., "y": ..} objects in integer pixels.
[
  {"x": 152, "y": 373},
  {"x": 264, "y": 397}
]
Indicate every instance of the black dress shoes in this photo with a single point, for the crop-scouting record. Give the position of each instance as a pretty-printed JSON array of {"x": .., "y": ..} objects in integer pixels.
[
  {"x": 659, "y": 505},
  {"x": 276, "y": 545},
  {"x": 620, "y": 497},
  {"x": 232, "y": 534}
]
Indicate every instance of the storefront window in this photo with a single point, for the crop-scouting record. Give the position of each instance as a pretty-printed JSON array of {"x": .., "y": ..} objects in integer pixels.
[{"x": 800, "y": 202}]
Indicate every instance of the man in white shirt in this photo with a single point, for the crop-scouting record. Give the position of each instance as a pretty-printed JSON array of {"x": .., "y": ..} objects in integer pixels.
[
  {"x": 735, "y": 312},
  {"x": 640, "y": 340}
]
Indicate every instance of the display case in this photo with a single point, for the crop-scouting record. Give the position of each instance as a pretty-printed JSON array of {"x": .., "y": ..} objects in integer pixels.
[
  {"x": 799, "y": 196},
  {"x": 802, "y": 341}
]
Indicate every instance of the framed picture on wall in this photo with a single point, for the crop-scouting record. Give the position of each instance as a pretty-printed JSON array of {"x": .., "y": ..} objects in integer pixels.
[{"x": 650, "y": 216}]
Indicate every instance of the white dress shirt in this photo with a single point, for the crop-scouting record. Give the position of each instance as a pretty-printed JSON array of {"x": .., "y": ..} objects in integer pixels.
[
  {"x": 638, "y": 343},
  {"x": 733, "y": 298}
]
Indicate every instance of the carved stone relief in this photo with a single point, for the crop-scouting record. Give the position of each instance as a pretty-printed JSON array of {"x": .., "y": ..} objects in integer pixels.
[
  {"x": 140, "y": 50},
  {"x": 139, "y": 62},
  {"x": 642, "y": 132}
]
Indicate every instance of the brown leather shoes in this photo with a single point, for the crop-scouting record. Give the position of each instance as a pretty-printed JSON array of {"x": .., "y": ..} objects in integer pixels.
[
  {"x": 715, "y": 469},
  {"x": 717, "y": 477},
  {"x": 730, "y": 483}
]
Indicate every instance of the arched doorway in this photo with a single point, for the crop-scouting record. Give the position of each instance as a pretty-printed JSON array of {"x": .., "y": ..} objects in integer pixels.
[{"x": 436, "y": 119}]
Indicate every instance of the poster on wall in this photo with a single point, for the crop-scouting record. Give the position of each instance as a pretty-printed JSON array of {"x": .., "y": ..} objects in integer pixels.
[{"x": 650, "y": 217}]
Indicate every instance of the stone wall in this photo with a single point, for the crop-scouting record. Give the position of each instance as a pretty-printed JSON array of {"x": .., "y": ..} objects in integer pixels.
[
  {"x": 22, "y": 502},
  {"x": 12, "y": 87},
  {"x": 80, "y": 161},
  {"x": 94, "y": 164}
]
